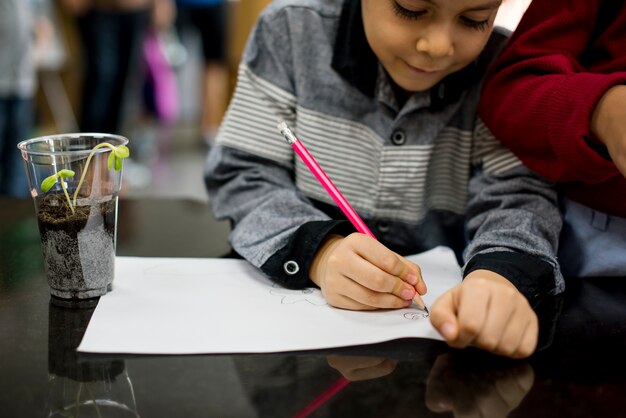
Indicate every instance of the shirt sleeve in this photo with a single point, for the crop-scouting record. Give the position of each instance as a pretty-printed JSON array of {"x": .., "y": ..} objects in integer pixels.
[
  {"x": 513, "y": 221},
  {"x": 540, "y": 93},
  {"x": 249, "y": 174}
]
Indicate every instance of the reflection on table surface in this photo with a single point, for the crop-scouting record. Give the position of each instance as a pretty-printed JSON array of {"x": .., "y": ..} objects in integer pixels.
[{"x": 579, "y": 372}]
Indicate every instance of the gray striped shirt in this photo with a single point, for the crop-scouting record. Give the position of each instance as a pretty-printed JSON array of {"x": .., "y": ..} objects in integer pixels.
[{"x": 409, "y": 171}]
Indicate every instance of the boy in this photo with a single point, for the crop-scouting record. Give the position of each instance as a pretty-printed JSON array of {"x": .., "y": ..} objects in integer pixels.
[{"x": 384, "y": 94}]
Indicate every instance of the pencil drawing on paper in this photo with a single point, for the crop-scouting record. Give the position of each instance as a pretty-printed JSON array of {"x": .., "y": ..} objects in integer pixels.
[
  {"x": 289, "y": 296},
  {"x": 415, "y": 315}
]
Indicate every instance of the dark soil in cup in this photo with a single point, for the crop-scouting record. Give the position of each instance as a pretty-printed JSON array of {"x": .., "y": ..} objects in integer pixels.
[{"x": 79, "y": 248}]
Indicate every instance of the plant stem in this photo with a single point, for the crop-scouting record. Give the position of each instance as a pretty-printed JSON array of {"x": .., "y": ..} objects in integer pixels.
[
  {"x": 91, "y": 154},
  {"x": 67, "y": 196}
]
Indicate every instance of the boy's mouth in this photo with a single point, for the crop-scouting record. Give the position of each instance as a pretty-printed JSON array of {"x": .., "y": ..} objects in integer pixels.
[{"x": 424, "y": 71}]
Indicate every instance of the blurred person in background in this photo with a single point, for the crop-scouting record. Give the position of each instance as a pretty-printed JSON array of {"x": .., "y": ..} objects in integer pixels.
[
  {"x": 111, "y": 33},
  {"x": 24, "y": 26},
  {"x": 209, "y": 19}
]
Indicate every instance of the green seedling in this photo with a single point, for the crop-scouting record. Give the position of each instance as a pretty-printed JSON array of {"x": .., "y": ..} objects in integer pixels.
[
  {"x": 114, "y": 162},
  {"x": 48, "y": 182}
]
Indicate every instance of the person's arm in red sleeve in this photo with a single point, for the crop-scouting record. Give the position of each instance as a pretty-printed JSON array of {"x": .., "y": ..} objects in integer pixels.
[{"x": 540, "y": 95}]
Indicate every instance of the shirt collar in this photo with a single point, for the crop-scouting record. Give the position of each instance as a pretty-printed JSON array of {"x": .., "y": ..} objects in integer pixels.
[
  {"x": 356, "y": 62},
  {"x": 352, "y": 56}
]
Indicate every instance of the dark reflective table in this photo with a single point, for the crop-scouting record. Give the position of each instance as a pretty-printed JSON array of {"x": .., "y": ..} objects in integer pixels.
[{"x": 579, "y": 372}]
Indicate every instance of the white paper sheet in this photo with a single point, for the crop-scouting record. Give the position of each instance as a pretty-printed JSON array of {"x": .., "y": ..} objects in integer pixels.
[{"x": 195, "y": 306}]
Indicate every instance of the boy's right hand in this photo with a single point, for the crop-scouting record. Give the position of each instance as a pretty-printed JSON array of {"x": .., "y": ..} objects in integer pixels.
[{"x": 357, "y": 272}]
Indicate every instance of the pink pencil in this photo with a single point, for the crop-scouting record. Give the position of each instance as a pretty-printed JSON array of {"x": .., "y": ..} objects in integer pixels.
[
  {"x": 325, "y": 181},
  {"x": 331, "y": 189}
]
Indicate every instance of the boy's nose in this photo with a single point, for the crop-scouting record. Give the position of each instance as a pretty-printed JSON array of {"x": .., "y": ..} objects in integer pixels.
[{"x": 436, "y": 43}]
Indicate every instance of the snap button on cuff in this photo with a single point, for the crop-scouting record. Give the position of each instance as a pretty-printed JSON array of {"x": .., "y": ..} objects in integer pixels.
[
  {"x": 383, "y": 226},
  {"x": 291, "y": 267}
]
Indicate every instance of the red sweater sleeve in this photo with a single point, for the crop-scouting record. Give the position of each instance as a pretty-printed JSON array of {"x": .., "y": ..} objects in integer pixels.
[{"x": 540, "y": 93}]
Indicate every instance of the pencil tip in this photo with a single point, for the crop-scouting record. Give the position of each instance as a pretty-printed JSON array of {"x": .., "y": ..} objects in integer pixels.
[{"x": 420, "y": 303}]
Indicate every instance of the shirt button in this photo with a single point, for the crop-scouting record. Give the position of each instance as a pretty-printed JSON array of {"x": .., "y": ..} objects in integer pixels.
[
  {"x": 291, "y": 267},
  {"x": 398, "y": 137},
  {"x": 383, "y": 226}
]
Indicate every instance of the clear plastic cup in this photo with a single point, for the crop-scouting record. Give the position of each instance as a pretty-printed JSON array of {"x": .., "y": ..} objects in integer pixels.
[{"x": 76, "y": 210}]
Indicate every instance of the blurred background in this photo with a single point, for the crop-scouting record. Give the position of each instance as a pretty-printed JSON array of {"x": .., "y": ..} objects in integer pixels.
[{"x": 160, "y": 72}]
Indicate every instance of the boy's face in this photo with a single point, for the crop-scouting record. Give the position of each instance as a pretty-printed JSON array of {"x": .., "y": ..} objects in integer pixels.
[{"x": 419, "y": 42}]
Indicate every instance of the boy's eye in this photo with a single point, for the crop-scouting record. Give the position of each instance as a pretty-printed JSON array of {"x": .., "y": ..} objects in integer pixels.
[
  {"x": 475, "y": 24},
  {"x": 407, "y": 13}
]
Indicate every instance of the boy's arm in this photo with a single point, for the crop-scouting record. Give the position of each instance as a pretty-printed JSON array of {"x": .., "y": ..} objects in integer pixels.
[
  {"x": 249, "y": 172},
  {"x": 513, "y": 223},
  {"x": 539, "y": 95},
  {"x": 272, "y": 222}
]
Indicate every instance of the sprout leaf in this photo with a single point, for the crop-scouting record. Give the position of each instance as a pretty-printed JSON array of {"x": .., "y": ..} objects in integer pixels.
[
  {"x": 122, "y": 151},
  {"x": 66, "y": 174},
  {"x": 48, "y": 182}
]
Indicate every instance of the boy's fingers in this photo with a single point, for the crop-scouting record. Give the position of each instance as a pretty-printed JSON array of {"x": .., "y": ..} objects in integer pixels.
[
  {"x": 473, "y": 304},
  {"x": 343, "y": 302},
  {"x": 443, "y": 316},
  {"x": 529, "y": 341},
  {"x": 380, "y": 282},
  {"x": 385, "y": 259},
  {"x": 412, "y": 274},
  {"x": 352, "y": 295},
  {"x": 499, "y": 318},
  {"x": 520, "y": 339},
  {"x": 506, "y": 323},
  {"x": 372, "y": 277},
  {"x": 392, "y": 270},
  {"x": 378, "y": 300}
]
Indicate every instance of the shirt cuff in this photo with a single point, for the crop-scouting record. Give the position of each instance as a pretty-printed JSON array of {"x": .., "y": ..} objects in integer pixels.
[
  {"x": 290, "y": 265},
  {"x": 532, "y": 276}
]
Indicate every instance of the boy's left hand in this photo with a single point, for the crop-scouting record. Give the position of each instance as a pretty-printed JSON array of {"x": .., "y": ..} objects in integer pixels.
[{"x": 487, "y": 311}]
